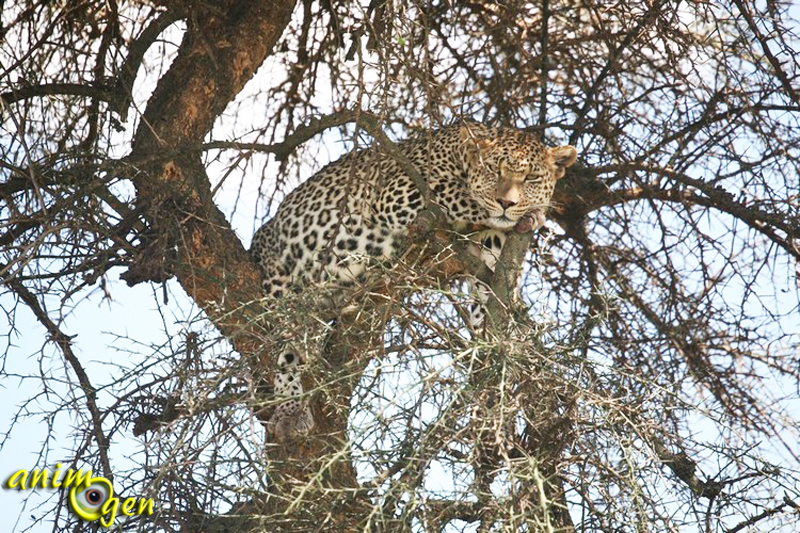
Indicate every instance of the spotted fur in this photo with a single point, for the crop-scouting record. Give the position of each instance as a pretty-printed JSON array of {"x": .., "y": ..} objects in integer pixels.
[{"x": 359, "y": 207}]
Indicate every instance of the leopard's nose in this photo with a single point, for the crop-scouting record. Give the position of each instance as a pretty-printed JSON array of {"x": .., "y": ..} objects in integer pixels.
[{"x": 506, "y": 203}]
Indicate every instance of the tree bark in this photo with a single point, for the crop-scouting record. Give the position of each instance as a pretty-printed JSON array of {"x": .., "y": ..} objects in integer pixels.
[
  {"x": 223, "y": 46},
  {"x": 191, "y": 238}
]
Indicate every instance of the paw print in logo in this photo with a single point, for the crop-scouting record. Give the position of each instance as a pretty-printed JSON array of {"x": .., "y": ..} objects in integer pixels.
[{"x": 87, "y": 502}]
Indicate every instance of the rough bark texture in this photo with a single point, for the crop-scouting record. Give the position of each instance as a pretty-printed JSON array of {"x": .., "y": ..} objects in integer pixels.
[
  {"x": 222, "y": 48},
  {"x": 224, "y": 45}
]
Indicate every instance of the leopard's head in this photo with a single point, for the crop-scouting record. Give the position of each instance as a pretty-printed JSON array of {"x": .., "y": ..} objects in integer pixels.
[{"x": 511, "y": 174}]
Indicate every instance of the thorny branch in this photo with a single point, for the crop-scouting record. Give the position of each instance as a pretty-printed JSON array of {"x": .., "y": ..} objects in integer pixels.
[
  {"x": 641, "y": 312},
  {"x": 64, "y": 343}
]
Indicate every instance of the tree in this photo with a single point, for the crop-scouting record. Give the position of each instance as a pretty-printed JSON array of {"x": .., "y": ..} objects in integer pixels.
[{"x": 646, "y": 380}]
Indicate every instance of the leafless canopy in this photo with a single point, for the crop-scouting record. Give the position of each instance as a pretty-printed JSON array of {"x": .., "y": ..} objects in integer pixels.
[{"x": 648, "y": 380}]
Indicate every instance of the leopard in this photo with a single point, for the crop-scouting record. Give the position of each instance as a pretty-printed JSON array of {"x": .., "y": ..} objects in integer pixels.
[{"x": 358, "y": 209}]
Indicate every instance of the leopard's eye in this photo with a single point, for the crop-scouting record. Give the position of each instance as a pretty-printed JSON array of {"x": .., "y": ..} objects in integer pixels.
[{"x": 533, "y": 178}]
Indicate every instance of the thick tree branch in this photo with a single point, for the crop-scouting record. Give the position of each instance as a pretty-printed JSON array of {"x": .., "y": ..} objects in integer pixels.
[
  {"x": 684, "y": 469},
  {"x": 222, "y": 48},
  {"x": 100, "y": 92},
  {"x": 130, "y": 67},
  {"x": 573, "y": 200},
  {"x": 300, "y": 135}
]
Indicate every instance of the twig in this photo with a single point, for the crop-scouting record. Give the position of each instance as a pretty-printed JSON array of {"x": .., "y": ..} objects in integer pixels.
[
  {"x": 283, "y": 149},
  {"x": 787, "y": 502},
  {"x": 543, "y": 39},
  {"x": 774, "y": 61},
  {"x": 616, "y": 54},
  {"x": 684, "y": 469},
  {"x": 64, "y": 342},
  {"x": 100, "y": 92},
  {"x": 121, "y": 100}
]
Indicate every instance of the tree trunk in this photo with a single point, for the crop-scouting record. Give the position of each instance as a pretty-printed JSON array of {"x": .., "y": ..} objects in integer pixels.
[{"x": 190, "y": 238}]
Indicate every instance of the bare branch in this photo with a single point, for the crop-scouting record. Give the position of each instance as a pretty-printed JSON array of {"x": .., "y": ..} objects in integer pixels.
[{"x": 64, "y": 342}]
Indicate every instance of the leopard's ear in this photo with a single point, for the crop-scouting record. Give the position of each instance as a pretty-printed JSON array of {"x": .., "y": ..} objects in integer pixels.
[
  {"x": 473, "y": 143},
  {"x": 564, "y": 156}
]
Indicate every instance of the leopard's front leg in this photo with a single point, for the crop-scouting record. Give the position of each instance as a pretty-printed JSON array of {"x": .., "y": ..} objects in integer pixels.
[
  {"x": 489, "y": 246},
  {"x": 292, "y": 417}
]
